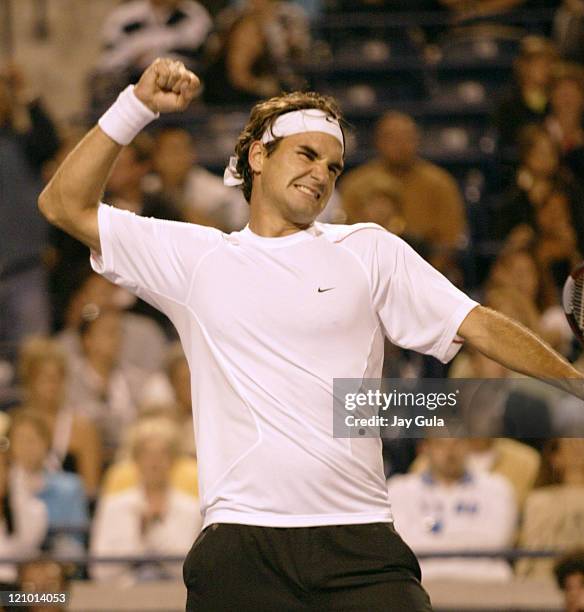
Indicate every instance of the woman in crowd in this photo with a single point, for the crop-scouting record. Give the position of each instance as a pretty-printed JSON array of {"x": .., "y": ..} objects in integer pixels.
[
  {"x": 552, "y": 517},
  {"x": 150, "y": 518},
  {"x": 143, "y": 343},
  {"x": 254, "y": 50},
  {"x": 565, "y": 123},
  {"x": 545, "y": 205},
  {"x": 518, "y": 285},
  {"x": 557, "y": 248},
  {"x": 528, "y": 99},
  {"x": 62, "y": 493},
  {"x": 23, "y": 521},
  {"x": 75, "y": 444}
]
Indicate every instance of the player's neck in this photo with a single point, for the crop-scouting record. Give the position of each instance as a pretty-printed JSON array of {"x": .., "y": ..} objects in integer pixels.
[{"x": 268, "y": 223}]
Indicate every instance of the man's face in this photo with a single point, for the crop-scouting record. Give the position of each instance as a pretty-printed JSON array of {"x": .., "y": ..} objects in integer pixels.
[
  {"x": 397, "y": 141},
  {"x": 447, "y": 458},
  {"x": 174, "y": 154},
  {"x": 574, "y": 592},
  {"x": 297, "y": 179}
]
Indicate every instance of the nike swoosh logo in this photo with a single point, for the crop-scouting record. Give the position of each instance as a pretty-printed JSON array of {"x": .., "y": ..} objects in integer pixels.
[{"x": 327, "y": 289}]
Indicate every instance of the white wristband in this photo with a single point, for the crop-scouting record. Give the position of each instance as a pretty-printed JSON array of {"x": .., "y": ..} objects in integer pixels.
[{"x": 126, "y": 117}]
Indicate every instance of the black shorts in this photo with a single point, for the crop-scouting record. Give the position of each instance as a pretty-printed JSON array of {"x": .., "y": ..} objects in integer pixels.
[{"x": 337, "y": 568}]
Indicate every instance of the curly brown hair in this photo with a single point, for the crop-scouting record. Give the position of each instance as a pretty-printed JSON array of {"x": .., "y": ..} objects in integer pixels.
[{"x": 264, "y": 114}]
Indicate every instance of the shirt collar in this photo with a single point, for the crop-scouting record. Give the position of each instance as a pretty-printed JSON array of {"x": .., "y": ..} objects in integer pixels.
[{"x": 246, "y": 235}]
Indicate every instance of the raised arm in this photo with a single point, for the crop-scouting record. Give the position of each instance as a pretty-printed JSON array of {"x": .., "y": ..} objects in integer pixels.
[
  {"x": 519, "y": 349},
  {"x": 71, "y": 198}
]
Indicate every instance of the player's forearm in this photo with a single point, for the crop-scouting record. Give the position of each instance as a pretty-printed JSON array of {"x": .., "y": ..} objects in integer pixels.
[
  {"x": 71, "y": 199},
  {"x": 519, "y": 349}
]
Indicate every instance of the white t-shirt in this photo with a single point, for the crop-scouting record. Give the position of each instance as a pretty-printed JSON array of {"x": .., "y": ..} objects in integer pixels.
[
  {"x": 477, "y": 513},
  {"x": 264, "y": 344}
]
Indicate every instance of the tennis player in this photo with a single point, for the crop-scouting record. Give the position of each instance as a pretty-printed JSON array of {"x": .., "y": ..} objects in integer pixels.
[{"x": 294, "y": 519}]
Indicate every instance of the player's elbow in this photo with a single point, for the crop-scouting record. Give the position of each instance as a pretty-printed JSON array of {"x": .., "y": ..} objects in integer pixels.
[
  {"x": 48, "y": 204},
  {"x": 45, "y": 206}
]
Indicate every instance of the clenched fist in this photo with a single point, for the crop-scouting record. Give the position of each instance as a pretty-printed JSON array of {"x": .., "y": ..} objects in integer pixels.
[{"x": 166, "y": 86}]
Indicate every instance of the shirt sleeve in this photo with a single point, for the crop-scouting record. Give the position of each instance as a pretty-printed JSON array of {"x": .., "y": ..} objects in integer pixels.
[
  {"x": 152, "y": 258},
  {"x": 419, "y": 308}
]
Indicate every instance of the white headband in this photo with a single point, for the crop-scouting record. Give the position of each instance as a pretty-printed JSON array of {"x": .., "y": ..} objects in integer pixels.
[{"x": 294, "y": 122}]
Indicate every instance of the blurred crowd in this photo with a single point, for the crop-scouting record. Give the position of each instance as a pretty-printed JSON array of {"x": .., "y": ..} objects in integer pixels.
[{"x": 96, "y": 430}]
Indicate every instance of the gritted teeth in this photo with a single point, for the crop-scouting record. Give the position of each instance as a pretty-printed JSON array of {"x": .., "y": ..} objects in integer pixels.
[{"x": 309, "y": 191}]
